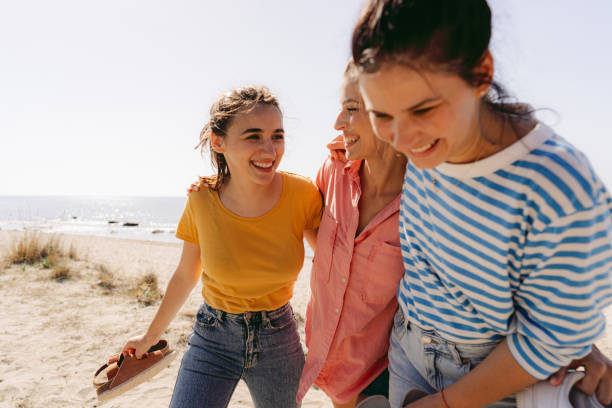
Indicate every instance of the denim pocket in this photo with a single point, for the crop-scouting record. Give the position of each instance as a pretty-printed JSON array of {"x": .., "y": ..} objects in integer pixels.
[
  {"x": 281, "y": 321},
  {"x": 205, "y": 318},
  {"x": 399, "y": 322}
]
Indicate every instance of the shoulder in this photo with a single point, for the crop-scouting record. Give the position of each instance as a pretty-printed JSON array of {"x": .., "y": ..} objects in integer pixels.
[
  {"x": 330, "y": 171},
  {"x": 567, "y": 174},
  {"x": 298, "y": 183},
  {"x": 206, "y": 195}
]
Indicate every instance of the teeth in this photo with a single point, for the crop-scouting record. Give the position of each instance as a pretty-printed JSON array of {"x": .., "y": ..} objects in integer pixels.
[
  {"x": 263, "y": 165},
  {"x": 422, "y": 149},
  {"x": 349, "y": 140}
]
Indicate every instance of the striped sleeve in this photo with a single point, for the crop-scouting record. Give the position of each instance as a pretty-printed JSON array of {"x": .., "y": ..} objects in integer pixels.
[{"x": 565, "y": 286}]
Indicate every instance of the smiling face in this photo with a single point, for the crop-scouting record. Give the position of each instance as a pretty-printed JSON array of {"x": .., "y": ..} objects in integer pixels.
[
  {"x": 353, "y": 122},
  {"x": 254, "y": 144},
  {"x": 431, "y": 117}
]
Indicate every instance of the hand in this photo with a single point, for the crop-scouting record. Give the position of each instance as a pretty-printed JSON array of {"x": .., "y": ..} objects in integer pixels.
[
  {"x": 597, "y": 379},
  {"x": 337, "y": 150},
  {"x": 138, "y": 346},
  {"x": 194, "y": 186}
]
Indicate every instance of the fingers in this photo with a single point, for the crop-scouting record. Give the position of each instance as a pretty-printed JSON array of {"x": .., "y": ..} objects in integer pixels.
[
  {"x": 557, "y": 378},
  {"x": 595, "y": 371},
  {"x": 194, "y": 187},
  {"x": 604, "y": 393},
  {"x": 598, "y": 375}
]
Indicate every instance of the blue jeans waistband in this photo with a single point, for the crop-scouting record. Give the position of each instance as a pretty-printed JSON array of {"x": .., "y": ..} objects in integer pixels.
[
  {"x": 261, "y": 315},
  {"x": 458, "y": 350}
]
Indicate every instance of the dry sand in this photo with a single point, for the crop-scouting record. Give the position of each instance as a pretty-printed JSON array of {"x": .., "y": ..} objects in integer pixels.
[{"x": 56, "y": 334}]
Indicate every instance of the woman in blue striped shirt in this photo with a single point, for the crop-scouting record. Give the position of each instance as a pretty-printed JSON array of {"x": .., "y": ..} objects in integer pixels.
[{"x": 505, "y": 228}]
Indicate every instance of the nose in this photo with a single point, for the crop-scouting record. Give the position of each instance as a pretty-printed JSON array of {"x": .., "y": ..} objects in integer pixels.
[
  {"x": 395, "y": 131},
  {"x": 268, "y": 147},
  {"x": 340, "y": 123}
]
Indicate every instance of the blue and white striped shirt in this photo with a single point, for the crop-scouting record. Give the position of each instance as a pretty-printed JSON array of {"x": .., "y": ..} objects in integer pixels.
[{"x": 516, "y": 246}]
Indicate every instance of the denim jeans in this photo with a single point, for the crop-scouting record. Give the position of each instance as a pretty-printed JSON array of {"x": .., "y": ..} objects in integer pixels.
[
  {"x": 420, "y": 359},
  {"x": 261, "y": 348}
]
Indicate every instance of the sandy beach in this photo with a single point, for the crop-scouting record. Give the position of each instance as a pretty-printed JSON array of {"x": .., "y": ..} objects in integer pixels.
[{"x": 56, "y": 334}]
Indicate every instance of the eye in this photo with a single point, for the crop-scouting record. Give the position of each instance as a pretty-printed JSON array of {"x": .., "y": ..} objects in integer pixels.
[
  {"x": 423, "y": 111},
  {"x": 278, "y": 136},
  {"x": 381, "y": 116},
  {"x": 252, "y": 137}
]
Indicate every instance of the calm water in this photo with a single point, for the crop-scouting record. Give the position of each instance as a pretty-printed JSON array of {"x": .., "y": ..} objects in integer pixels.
[{"x": 156, "y": 217}]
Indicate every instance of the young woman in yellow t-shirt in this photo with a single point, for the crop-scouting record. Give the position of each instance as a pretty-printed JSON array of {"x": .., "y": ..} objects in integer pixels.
[{"x": 243, "y": 236}]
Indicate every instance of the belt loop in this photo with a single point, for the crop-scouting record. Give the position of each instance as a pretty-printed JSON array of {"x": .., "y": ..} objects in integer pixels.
[
  {"x": 220, "y": 316},
  {"x": 264, "y": 316},
  {"x": 407, "y": 325},
  {"x": 455, "y": 353}
]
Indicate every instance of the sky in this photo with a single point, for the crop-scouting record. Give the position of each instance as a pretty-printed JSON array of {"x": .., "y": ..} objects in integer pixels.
[{"x": 109, "y": 97}]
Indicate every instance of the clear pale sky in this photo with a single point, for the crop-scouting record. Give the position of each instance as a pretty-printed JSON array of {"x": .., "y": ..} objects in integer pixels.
[{"x": 108, "y": 97}]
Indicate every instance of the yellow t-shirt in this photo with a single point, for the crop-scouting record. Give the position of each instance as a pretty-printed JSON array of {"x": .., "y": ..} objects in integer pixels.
[{"x": 251, "y": 264}]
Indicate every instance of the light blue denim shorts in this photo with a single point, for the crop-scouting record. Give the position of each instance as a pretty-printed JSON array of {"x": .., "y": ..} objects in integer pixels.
[{"x": 421, "y": 359}]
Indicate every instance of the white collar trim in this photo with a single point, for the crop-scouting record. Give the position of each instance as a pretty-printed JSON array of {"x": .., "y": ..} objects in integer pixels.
[{"x": 536, "y": 137}]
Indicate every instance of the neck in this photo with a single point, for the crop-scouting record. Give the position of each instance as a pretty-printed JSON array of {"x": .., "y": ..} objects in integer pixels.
[
  {"x": 383, "y": 173},
  {"x": 236, "y": 189},
  {"x": 497, "y": 131}
]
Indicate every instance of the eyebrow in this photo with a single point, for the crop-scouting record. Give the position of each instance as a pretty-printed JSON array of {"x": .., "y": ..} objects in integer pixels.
[
  {"x": 418, "y": 105},
  {"x": 258, "y": 130}
]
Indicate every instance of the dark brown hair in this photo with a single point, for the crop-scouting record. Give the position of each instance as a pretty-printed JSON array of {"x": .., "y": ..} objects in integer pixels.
[
  {"x": 448, "y": 35},
  {"x": 222, "y": 112}
]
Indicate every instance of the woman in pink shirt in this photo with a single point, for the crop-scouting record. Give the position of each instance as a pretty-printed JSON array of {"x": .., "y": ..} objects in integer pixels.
[{"x": 357, "y": 264}]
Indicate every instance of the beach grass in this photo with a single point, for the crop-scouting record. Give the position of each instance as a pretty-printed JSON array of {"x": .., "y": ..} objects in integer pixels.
[
  {"x": 32, "y": 248},
  {"x": 61, "y": 272},
  {"x": 147, "y": 290}
]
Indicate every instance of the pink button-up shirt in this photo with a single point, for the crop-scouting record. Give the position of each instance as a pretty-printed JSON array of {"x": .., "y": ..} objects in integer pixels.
[{"x": 354, "y": 281}]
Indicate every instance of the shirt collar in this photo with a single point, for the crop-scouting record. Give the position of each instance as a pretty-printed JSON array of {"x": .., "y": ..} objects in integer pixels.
[{"x": 352, "y": 168}]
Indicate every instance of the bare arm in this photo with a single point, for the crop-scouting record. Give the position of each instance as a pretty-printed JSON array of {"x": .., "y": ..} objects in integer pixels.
[
  {"x": 311, "y": 237},
  {"x": 179, "y": 287},
  {"x": 498, "y": 376}
]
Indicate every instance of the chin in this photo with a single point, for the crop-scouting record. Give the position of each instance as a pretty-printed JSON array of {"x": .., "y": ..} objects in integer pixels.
[{"x": 353, "y": 155}]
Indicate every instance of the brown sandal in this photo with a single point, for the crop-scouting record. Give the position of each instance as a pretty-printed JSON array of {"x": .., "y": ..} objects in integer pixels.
[{"x": 126, "y": 372}]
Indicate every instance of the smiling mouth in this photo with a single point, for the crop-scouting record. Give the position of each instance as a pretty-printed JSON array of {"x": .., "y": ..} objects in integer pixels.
[
  {"x": 426, "y": 148},
  {"x": 350, "y": 140},
  {"x": 261, "y": 165}
]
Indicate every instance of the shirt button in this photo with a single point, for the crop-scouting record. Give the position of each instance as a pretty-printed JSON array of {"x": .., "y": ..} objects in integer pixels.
[
  {"x": 337, "y": 310},
  {"x": 343, "y": 280}
]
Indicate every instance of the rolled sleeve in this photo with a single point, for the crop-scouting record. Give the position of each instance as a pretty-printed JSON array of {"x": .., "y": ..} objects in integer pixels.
[{"x": 565, "y": 286}]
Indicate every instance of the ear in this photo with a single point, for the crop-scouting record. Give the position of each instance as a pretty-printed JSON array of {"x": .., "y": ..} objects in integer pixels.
[
  {"x": 216, "y": 143},
  {"x": 485, "y": 70}
]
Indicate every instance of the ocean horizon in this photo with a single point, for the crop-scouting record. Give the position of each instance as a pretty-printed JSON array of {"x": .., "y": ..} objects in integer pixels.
[
  {"x": 143, "y": 218},
  {"x": 139, "y": 218}
]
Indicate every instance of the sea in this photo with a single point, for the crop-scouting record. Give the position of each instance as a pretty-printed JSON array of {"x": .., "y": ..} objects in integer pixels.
[{"x": 140, "y": 218}]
